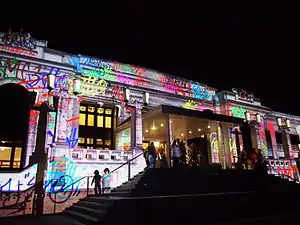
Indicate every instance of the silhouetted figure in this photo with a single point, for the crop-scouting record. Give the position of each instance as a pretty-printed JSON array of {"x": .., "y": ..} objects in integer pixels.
[
  {"x": 151, "y": 155},
  {"x": 106, "y": 179},
  {"x": 97, "y": 181},
  {"x": 176, "y": 153}
]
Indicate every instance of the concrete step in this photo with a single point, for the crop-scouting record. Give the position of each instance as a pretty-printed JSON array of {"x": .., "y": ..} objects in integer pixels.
[
  {"x": 82, "y": 218},
  {"x": 121, "y": 193},
  {"x": 86, "y": 210},
  {"x": 123, "y": 189},
  {"x": 101, "y": 200},
  {"x": 104, "y": 206}
]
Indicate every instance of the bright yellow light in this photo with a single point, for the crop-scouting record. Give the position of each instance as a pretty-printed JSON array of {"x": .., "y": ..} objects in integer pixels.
[
  {"x": 147, "y": 131},
  {"x": 181, "y": 134},
  {"x": 171, "y": 121},
  {"x": 162, "y": 125},
  {"x": 202, "y": 136},
  {"x": 208, "y": 126},
  {"x": 156, "y": 144},
  {"x": 199, "y": 129},
  {"x": 190, "y": 132}
]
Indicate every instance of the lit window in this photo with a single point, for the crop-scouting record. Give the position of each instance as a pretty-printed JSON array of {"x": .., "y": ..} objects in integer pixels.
[
  {"x": 90, "y": 141},
  {"x": 90, "y": 120},
  {"x": 100, "y": 110},
  {"x": 91, "y": 109},
  {"x": 75, "y": 155},
  {"x": 99, "y": 121},
  {"x": 82, "y": 108},
  {"x": 82, "y": 119},
  {"x": 5, "y": 153},
  {"x": 99, "y": 142},
  {"x": 88, "y": 156},
  {"x": 107, "y": 142},
  {"x": 108, "y": 111},
  {"x": 17, "y": 159},
  {"x": 107, "y": 122},
  {"x": 80, "y": 140}
]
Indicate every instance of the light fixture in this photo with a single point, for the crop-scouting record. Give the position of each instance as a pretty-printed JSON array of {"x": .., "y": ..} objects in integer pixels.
[
  {"x": 287, "y": 123},
  {"x": 190, "y": 132},
  {"x": 171, "y": 121},
  {"x": 156, "y": 144},
  {"x": 181, "y": 134},
  {"x": 147, "y": 131},
  {"x": 76, "y": 86},
  {"x": 153, "y": 126},
  {"x": 278, "y": 120},
  {"x": 258, "y": 118},
  {"x": 208, "y": 126},
  {"x": 161, "y": 124},
  {"x": 50, "y": 81},
  {"x": 118, "y": 108},
  {"x": 247, "y": 116},
  {"x": 126, "y": 94},
  {"x": 202, "y": 136},
  {"x": 199, "y": 129},
  {"x": 146, "y": 98}
]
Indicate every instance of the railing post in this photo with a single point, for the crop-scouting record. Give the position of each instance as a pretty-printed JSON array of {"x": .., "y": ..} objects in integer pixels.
[
  {"x": 129, "y": 170},
  {"x": 87, "y": 186}
]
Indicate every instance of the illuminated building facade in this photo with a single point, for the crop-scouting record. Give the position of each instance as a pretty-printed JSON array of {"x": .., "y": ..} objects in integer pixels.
[{"x": 109, "y": 111}]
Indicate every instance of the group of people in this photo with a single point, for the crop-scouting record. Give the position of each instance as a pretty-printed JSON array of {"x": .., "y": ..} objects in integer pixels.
[
  {"x": 104, "y": 180},
  {"x": 253, "y": 160},
  {"x": 155, "y": 159}
]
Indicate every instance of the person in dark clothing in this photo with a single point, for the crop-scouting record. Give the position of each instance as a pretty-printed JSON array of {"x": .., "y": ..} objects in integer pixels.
[
  {"x": 151, "y": 155},
  {"x": 97, "y": 181}
]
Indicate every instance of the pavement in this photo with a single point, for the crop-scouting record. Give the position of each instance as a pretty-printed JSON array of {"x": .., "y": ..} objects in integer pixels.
[{"x": 40, "y": 220}]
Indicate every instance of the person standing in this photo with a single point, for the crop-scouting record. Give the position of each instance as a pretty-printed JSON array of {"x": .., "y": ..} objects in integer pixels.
[
  {"x": 176, "y": 153},
  {"x": 106, "y": 182},
  {"x": 97, "y": 181},
  {"x": 151, "y": 155}
]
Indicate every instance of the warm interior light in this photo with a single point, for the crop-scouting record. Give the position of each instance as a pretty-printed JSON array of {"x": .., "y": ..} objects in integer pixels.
[
  {"x": 161, "y": 124},
  {"x": 181, "y": 134},
  {"x": 199, "y": 129},
  {"x": 156, "y": 144},
  {"x": 171, "y": 121},
  {"x": 208, "y": 126},
  {"x": 190, "y": 132},
  {"x": 279, "y": 123},
  {"x": 202, "y": 136},
  {"x": 287, "y": 123},
  {"x": 153, "y": 126},
  {"x": 147, "y": 131}
]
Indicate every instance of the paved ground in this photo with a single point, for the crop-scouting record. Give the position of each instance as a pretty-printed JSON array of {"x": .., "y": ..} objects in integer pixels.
[{"x": 43, "y": 220}]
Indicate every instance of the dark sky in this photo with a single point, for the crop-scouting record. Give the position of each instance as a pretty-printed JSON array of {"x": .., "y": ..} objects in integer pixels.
[{"x": 223, "y": 44}]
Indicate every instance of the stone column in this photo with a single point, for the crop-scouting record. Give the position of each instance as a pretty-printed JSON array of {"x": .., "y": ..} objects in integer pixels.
[
  {"x": 169, "y": 140},
  {"x": 225, "y": 140},
  {"x": 286, "y": 143},
  {"x": 136, "y": 129},
  {"x": 222, "y": 156}
]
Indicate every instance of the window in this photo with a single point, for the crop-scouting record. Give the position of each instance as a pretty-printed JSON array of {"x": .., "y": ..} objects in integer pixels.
[
  {"x": 91, "y": 109},
  {"x": 5, "y": 154},
  {"x": 89, "y": 141},
  {"x": 90, "y": 120},
  {"x": 89, "y": 156},
  {"x": 17, "y": 159},
  {"x": 81, "y": 119},
  {"x": 99, "y": 121},
  {"x": 107, "y": 122},
  {"x": 80, "y": 140},
  {"x": 101, "y": 156},
  {"x": 75, "y": 155},
  {"x": 96, "y": 126},
  {"x": 100, "y": 110},
  {"x": 108, "y": 111}
]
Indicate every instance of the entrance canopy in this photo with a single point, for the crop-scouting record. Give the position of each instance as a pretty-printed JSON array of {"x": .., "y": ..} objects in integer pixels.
[{"x": 183, "y": 123}]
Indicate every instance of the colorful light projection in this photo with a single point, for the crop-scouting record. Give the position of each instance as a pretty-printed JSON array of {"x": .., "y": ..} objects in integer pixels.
[
  {"x": 214, "y": 145},
  {"x": 272, "y": 130},
  {"x": 92, "y": 86},
  {"x": 284, "y": 167},
  {"x": 123, "y": 73},
  {"x": 238, "y": 111},
  {"x": 263, "y": 138}
]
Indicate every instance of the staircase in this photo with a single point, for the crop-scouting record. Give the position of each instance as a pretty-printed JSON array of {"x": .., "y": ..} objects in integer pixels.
[
  {"x": 92, "y": 209},
  {"x": 190, "y": 196}
]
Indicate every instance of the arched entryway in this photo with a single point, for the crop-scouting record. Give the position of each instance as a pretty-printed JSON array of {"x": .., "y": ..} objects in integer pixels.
[{"x": 15, "y": 103}]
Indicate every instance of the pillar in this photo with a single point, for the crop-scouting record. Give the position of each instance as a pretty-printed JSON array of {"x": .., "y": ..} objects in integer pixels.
[
  {"x": 250, "y": 137},
  {"x": 286, "y": 143},
  {"x": 221, "y": 147},
  {"x": 224, "y": 128},
  {"x": 169, "y": 139},
  {"x": 136, "y": 129}
]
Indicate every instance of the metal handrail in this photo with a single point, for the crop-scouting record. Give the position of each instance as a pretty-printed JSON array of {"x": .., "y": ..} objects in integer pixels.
[{"x": 128, "y": 162}]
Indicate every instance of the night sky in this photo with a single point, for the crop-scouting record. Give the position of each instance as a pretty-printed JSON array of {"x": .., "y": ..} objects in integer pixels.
[{"x": 224, "y": 45}]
